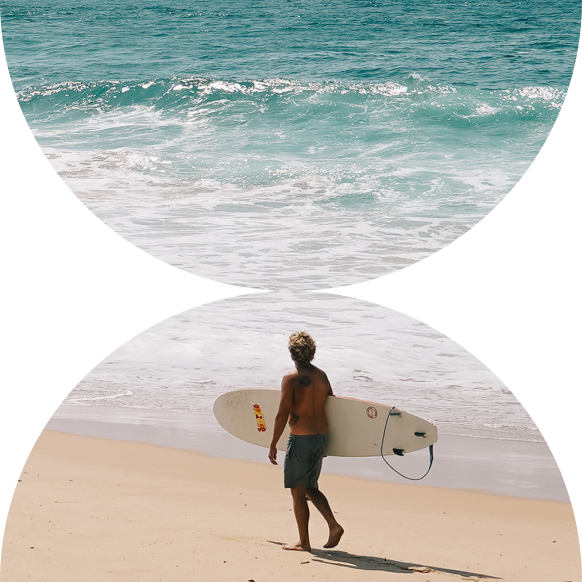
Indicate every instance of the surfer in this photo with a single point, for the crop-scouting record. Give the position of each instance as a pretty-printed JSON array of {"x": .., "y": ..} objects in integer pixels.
[{"x": 303, "y": 396}]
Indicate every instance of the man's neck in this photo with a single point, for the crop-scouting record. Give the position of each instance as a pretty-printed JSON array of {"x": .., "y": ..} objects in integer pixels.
[{"x": 304, "y": 367}]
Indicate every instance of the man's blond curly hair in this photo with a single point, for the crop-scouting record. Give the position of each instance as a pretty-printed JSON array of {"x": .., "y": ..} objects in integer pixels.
[{"x": 301, "y": 347}]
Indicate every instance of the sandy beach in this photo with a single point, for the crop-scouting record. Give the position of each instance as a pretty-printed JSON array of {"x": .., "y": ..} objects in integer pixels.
[{"x": 95, "y": 509}]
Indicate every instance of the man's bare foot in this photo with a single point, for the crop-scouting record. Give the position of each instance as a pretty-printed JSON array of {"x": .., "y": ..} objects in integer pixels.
[
  {"x": 335, "y": 535},
  {"x": 297, "y": 547}
]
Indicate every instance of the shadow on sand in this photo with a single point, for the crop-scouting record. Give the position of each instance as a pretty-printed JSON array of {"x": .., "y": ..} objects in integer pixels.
[{"x": 347, "y": 560}]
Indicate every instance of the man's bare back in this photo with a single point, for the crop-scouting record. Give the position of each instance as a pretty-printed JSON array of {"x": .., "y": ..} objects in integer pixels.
[{"x": 310, "y": 388}]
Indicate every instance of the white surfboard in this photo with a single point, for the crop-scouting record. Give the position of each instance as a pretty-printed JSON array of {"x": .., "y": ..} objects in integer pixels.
[{"x": 356, "y": 427}]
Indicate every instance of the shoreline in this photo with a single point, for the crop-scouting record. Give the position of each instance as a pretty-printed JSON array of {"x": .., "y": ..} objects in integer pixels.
[
  {"x": 521, "y": 469},
  {"x": 92, "y": 509}
]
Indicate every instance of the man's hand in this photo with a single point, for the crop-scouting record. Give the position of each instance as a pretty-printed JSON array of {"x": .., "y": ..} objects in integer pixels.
[{"x": 273, "y": 454}]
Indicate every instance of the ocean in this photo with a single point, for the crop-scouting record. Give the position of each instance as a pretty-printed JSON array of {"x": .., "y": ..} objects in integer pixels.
[{"x": 291, "y": 144}]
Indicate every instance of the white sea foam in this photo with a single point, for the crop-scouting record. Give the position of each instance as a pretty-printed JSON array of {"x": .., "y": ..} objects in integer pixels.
[
  {"x": 85, "y": 397},
  {"x": 230, "y": 248},
  {"x": 238, "y": 182},
  {"x": 368, "y": 352}
]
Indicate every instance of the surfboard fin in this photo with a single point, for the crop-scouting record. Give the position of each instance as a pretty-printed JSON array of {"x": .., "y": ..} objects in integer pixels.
[
  {"x": 420, "y": 434},
  {"x": 399, "y": 452}
]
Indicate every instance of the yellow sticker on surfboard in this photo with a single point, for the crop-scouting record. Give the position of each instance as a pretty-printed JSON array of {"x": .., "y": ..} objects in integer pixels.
[{"x": 261, "y": 426}]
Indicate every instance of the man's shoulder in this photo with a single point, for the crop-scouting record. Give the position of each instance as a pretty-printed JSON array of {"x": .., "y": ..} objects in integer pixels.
[
  {"x": 294, "y": 375},
  {"x": 319, "y": 372},
  {"x": 290, "y": 377}
]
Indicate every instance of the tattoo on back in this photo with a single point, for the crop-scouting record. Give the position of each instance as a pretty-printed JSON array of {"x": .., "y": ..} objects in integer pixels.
[{"x": 304, "y": 381}]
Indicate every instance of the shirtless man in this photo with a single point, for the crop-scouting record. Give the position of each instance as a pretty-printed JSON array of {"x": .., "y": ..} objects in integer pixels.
[{"x": 303, "y": 396}]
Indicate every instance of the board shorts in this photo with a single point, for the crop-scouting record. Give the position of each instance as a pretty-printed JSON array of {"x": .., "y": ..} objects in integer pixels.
[{"x": 303, "y": 460}]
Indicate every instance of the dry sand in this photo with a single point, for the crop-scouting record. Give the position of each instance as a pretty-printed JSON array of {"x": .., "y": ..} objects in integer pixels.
[{"x": 90, "y": 509}]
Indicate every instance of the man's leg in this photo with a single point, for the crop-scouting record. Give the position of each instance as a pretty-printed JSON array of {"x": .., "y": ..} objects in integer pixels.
[
  {"x": 301, "y": 510},
  {"x": 336, "y": 531}
]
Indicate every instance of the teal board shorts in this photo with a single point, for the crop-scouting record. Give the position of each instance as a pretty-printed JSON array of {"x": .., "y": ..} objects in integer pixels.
[{"x": 303, "y": 460}]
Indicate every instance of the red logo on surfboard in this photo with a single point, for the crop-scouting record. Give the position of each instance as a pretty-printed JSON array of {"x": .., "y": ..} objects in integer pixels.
[
  {"x": 371, "y": 412},
  {"x": 261, "y": 426}
]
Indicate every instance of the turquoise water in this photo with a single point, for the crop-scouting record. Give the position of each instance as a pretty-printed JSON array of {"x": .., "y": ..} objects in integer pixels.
[
  {"x": 486, "y": 44},
  {"x": 291, "y": 144}
]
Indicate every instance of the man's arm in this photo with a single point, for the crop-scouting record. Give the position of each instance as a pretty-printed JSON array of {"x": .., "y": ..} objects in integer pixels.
[
  {"x": 330, "y": 391},
  {"x": 285, "y": 405}
]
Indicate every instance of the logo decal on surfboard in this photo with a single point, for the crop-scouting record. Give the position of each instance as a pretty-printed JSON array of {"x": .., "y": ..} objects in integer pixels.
[
  {"x": 261, "y": 426},
  {"x": 371, "y": 412}
]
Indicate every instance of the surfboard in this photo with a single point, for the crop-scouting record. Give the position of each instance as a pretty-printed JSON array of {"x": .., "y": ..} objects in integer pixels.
[{"x": 356, "y": 427}]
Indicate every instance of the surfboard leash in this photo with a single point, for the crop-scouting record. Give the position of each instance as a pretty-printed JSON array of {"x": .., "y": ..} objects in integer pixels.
[{"x": 430, "y": 449}]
